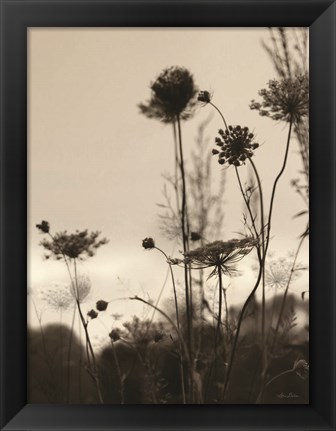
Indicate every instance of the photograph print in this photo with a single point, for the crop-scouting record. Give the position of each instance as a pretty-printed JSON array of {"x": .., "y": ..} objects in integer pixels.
[{"x": 168, "y": 219}]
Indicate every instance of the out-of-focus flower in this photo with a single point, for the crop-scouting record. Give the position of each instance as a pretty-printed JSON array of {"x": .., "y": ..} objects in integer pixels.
[
  {"x": 220, "y": 254},
  {"x": 278, "y": 271},
  {"x": 173, "y": 94},
  {"x": 58, "y": 298},
  {"x": 195, "y": 236},
  {"x": 81, "y": 289},
  {"x": 44, "y": 226},
  {"x": 287, "y": 99},
  {"x": 115, "y": 334},
  {"x": 117, "y": 316},
  {"x": 158, "y": 336},
  {"x": 301, "y": 368},
  {"x": 236, "y": 145},
  {"x": 148, "y": 243},
  {"x": 92, "y": 314},
  {"x": 101, "y": 305},
  {"x": 77, "y": 245}
]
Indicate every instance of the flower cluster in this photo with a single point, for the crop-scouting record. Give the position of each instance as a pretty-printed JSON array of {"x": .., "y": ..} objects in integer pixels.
[
  {"x": 78, "y": 245},
  {"x": 173, "y": 95},
  {"x": 58, "y": 298},
  {"x": 278, "y": 271},
  {"x": 301, "y": 368},
  {"x": 236, "y": 145},
  {"x": 220, "y": 254},
  {"x": 285, "y": 100}
]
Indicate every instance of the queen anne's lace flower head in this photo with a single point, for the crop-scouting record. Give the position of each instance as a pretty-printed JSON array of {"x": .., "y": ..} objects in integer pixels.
[
  {"x": 286, "y": 100},
  {"x": 220, "y": 254},
  {"x": 236, "y": 144},
  {"x": 173, "y": 95}
]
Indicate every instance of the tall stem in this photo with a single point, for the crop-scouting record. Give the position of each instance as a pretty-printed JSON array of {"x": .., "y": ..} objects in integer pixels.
[
  {"x": 185, "y": 240},
  {"x": 276, "y": 183},
  {"x": 262, "y": 229},
  {"x": 85, "y": 326},
  {"x": 240, "y": 320},
  {"x": 69, "y": 353}
]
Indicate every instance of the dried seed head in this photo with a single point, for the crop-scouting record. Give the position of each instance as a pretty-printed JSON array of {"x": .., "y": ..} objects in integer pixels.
[{"x": 101, "y": 305}]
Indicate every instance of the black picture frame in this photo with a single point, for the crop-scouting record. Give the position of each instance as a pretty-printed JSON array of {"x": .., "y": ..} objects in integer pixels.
[{"x": 16, "y": 17}]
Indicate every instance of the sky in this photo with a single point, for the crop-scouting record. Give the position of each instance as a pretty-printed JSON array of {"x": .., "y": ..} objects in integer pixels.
[{"x": 96, "y": 163}]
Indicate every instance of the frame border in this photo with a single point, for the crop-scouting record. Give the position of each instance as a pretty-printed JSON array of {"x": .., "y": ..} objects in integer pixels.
[{"x": 16, "y": 17}]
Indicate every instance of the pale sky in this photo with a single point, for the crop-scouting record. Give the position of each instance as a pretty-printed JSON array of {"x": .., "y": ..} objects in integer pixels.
[{"x": 95, "y": 162}]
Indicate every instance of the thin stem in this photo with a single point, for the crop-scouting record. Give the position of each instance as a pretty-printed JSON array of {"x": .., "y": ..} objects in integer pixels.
[
  {"x": 85, "y": 326},
  {"x": 185, "y": 240},
  {"x": 177, "y": 322},
  {"x": 220, "y": 301},
  {"x": 276, "y": 183},
  {"x": 262, "y": 228},
  {"x": 69, "y": 352},
  {"x": 240, "y": 320},
  {"x": 278, "y": 376},
  {"x": 222, "y": 116}
]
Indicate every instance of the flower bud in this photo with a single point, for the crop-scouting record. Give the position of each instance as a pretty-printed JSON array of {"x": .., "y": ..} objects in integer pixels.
[
  {"x": 92, "y": 314},
  {"x": 148, "y": 243},
  {"x": 101, "y": 305}
]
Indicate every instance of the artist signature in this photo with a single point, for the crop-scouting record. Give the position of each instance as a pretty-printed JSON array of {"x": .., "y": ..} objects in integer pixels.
[{"x": 289, "y": 395}]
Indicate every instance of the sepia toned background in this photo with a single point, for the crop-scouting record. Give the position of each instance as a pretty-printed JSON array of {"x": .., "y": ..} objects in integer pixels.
[{"x": 96, "y": 163}]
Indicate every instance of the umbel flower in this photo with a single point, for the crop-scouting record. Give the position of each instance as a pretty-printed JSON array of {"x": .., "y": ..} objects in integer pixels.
[
  {"x": 58, "y": 298},
  {"x": 301, "y": 368},
  {"x": 278, "y": 271},
  {"x": 236, "y": 145},
  {"x": 81, "y": 290},
  {"x": 220, "y": 254},
  {"x": 77, "y": 245},
  {"x": 285, "y": 100},
  {"x": 173, "y": 94}
]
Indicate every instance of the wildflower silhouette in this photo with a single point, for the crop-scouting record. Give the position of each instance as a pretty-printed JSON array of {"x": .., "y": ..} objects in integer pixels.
[
  {"x": 204, "y": 97},
  {"x": 83, "y": 289},
  {"x": 173, "y": 94},
  {"x": 115, "y": 334},
  {"x": 301, "y": 368},
  {"x": 71, "y": 248},
  {"x": 148, "y": 243},
  {"x": 221, "y": 255},
  {"x": 236, "y": 145},
  {"x": 59, "y": 298},
  {"x": 101, "y": 305},
  {"x": 92, "y": 314},
  {"x": 43, "y": 226},
  {"x": 278, "y": 271},
  {"x": 286, "y": 100},
  {"x": 78, "y": 245}
]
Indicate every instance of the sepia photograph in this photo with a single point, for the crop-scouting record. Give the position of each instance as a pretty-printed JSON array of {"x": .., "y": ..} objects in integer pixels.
[{"x": 168, "y": 215}]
